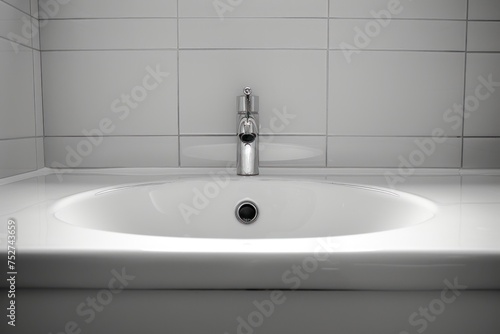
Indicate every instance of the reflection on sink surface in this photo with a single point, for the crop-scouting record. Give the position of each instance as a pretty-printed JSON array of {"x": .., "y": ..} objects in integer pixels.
[
  {"x": 268, "y": 152},
  {"x": 205, "y": 208}
]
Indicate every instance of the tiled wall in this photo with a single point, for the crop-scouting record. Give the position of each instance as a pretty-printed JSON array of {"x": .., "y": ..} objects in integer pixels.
[
  {"x": 341, "y": 84},
  {"x": 21, "y": 124}
]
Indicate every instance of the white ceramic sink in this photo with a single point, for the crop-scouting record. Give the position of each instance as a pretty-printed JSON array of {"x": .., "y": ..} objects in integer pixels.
[{"x": 205, "y": 208}]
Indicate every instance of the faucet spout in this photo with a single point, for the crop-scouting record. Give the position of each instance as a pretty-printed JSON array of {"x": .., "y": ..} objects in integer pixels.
[{"x": 248, "y": 134}]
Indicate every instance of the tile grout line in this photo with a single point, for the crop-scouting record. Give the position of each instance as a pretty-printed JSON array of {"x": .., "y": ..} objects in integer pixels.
[
  {"x": 249, "y": 49},
  {"x": 178, "y": 94},
  {"x": 42, "y": 114},
  {"x": 263, "y": 134},
  {"x": 327, "y": 81},
  {"x": 215, "y": 18},
  {"x": 465, "y": 85},
  {"x": 34, "y": 104},
  {"x": 19, "y": 138},
  {"x": 42, "y": 104}
]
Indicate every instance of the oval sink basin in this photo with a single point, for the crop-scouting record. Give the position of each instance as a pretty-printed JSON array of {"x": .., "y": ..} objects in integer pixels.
[{"x": 206, "y": 208}]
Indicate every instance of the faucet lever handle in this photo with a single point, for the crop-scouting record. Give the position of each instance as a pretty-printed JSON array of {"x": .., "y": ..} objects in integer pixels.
[{"x": 248, "y": 103}]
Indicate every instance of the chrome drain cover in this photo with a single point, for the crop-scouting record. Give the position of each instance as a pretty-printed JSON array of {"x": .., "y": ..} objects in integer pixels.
[{"x": 247, "y": 212}]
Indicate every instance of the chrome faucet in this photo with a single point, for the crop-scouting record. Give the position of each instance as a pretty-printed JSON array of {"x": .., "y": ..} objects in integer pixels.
[{"x": 248, "y": 134}]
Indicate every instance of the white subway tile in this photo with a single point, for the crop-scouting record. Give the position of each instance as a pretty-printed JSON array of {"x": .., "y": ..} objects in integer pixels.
[
  {"x": 421, "y": 9},
  {"x": 291, "y": 86},
  {"x": 397, "y": 35},
  {"x": 37, "y": 65},
  {"x": 484, "y": 10},
  {"x": 107, "y": 8},
  {"x": 35, "y": 34},
  {"x": 17, "y": 118},
  {"x": 136, "y": 90},
  {"x": 282, "y": 151},
  {"x": 253, "y": 33},
  {"x": 40, "y": 158},
  {"x": 208, "y": 151},
  {"x": 254, "y": 8},
  {"x": 394, "y": 152},
  {"x": 374, "y": 95},
  {"x": 23, "y": 5},
  {"x": 481, "y": 153},
  {"x": 394, "y": 93},
  {"x": 482, "y": 102},
  {"x": 79, "y": 152},
  {"x": 18, "y": 156},
  {"x": 34, "y": 8},
  {"x": 15, "y": 25},
  {"x": 109, "y": 34},
  {"x": 292, "y": 151},
  {"x": 483, "y": 36}
]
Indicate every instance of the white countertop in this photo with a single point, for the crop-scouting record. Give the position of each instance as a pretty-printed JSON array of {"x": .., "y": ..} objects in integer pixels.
[{"x": 464, "y": 234}]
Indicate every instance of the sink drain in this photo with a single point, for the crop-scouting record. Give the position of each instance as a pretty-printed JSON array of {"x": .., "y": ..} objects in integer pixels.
[{"x": 246, "y": 212}]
